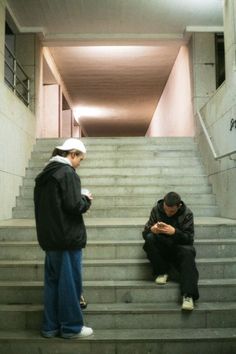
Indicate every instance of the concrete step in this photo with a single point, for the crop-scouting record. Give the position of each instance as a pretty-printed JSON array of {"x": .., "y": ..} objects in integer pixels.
[
  {"x": 132, "y": 291},
  {"x": 160, "y": 316},
  {"x": 102, "y": 152},
  {"x": 142, "y": 211},
  {"x": 121, "y": 141},
  {"x": 131, "y": 171},
  {"x": 207, "y": 248},
  {"x": 114, "y": 269},
  {"x": 114, "y": 229},
  {"x": 132, "y": 249},
  {"x": 126, "y": 161},
  {"x": 136, "y": 191},
  {"x": 138, "y": 341},
  {"x": 129, "y": 199},
  {"x": 120, "y": 211},
  {"x": 158, "y": 180},
  {"x": 129, "y": 316},
  {"x": 125, "y": 148}
]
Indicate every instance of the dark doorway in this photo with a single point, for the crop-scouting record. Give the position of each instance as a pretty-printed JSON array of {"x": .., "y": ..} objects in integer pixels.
[{"x": 220, "y": 59}]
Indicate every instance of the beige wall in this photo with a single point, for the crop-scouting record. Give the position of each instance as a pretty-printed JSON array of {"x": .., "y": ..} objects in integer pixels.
[
  {"x": 174, "y": 112},
  {"x": 17, "y": 135}
]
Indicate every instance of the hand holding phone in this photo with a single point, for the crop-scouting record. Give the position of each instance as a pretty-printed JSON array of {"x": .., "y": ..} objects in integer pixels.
[
  {"x": 160, "y": 224},
  {"x": 87, "y": 193}
]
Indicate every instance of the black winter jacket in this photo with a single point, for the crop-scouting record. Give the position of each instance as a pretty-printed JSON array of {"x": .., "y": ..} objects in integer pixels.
[
  {"x": 59, "y": 206},
  {"x": 182, "y": 221}
]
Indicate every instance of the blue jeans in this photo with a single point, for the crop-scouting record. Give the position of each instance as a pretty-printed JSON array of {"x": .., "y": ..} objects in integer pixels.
[{"x": 62, "y": 290}]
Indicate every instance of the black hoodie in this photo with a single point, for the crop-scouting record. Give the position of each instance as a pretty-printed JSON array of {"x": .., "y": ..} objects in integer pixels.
[
  {"x": 59, "y": 206},
  {"x": 182, "y": 221}
]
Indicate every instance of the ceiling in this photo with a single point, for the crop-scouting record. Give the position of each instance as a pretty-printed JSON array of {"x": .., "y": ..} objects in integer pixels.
[{"x": 115, "y": 56}]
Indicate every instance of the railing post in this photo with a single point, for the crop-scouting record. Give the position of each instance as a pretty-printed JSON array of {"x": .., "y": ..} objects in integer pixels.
[
  {"x": 28, "y": 91},
  {"x": 207, "y": 135},
  {"x": 14, "y": 74},
  {"x": 24, "y": 92}
]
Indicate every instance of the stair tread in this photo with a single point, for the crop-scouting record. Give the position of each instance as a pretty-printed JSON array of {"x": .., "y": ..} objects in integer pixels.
[
  {"x": 130, "y": 335},
  {"x": 126, "y": 206},
  {"x": 122, "y": 283},
  {"x": 129, "y": 185},
  {"x": 133, "y": 221},
  {"x": 119, "y": 261},
  {"x": 137, "y": 194},
  {"x": 130, "y": 307},
  {"x": 212, "y": 241}
]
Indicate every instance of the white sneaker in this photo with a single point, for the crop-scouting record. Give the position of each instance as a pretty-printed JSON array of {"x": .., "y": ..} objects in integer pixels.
[
  {"x": 187, "y": 303},
  {"x": 85, "y": 332},
  {"x": 161, "y": 279}
]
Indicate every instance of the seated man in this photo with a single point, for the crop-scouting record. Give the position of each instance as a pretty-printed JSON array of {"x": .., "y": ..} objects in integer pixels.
[{"x": 169, "y": 236}]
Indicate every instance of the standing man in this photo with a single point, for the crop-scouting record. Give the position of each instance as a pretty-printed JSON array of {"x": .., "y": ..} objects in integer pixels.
[
  {"x": 169, "y": 236},
  {"x": 61, "y": 233}
]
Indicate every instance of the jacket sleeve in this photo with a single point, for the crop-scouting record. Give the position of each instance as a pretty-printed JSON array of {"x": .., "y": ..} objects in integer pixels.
[
  {"x": 184, "y": 233},
  {"x": 152, "y": 220},
  {"x": 73, "y": 202}
]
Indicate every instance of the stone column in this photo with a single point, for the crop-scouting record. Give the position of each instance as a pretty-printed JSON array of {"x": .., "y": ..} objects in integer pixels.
[
  {"x": 51, "y": 112},
  {"x": 66, "y": 123},
  {"x": 204, "y": 81}
]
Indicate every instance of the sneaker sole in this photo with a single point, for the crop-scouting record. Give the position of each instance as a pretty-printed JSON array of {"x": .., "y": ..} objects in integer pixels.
[{"x": 187, "y": 308}]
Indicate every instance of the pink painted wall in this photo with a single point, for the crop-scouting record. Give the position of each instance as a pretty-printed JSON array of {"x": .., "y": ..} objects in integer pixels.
[
  {"x": 66, "y": 128},
  {"x": 174, "y": 112},
  {"x": 76, "y": 131}
]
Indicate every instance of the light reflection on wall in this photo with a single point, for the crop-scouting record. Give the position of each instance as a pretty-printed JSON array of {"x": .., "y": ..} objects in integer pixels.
[{"x": 81, "y": 112}]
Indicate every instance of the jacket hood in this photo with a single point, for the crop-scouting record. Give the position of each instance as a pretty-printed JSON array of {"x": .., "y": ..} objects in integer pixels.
[
  {"x": 160, "y": 207},
  {"x": 51, "y": 168}
]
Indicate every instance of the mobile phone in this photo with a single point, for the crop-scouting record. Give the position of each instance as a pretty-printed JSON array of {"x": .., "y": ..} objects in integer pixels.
[{"x": 160, "y": 223}]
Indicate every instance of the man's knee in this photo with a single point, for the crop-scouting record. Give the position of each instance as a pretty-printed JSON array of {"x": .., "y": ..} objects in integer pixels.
[
  {"x": 149, "y": 242},
  {"x": 186, "y": 251}
]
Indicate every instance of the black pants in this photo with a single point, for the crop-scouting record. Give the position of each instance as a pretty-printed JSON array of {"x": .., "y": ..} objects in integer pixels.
[{"x": 163, "y": 253}]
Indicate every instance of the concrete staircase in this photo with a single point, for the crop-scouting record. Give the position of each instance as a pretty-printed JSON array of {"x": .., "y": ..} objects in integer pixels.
[{"x": 129, "y": 313}]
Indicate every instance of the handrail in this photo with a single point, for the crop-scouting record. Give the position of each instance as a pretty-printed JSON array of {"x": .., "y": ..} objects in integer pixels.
[
  {"x": 17, "y": 81},
  {"x": 14, "y": 57},
  {"x": 208, "y": 137}
]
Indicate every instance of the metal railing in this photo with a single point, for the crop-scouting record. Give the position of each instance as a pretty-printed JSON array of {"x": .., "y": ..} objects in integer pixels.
[
  {"x": 208, "y": 137},
  {"x": 15, "y": 77}
]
